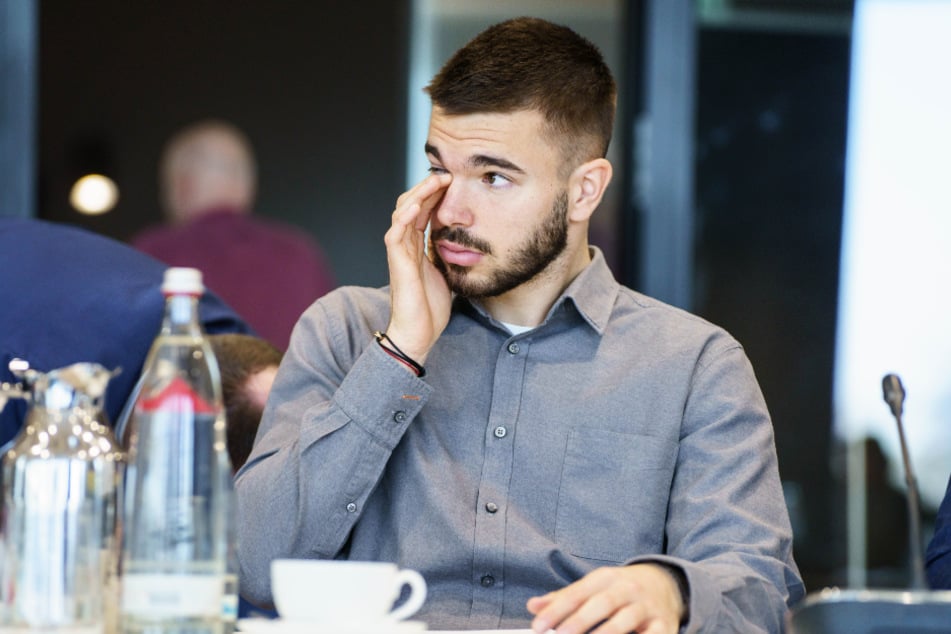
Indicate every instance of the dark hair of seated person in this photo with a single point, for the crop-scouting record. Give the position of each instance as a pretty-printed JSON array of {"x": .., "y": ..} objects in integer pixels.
[{"x": 241, "y": 359}]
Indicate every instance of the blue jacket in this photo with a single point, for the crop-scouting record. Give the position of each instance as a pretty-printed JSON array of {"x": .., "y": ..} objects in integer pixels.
[
  {"x": 68, "y": 295},
  {"x": 938, "y": 556}
]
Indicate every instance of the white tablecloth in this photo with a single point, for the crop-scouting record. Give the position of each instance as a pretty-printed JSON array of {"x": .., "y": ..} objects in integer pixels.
[{"x": 484, "y": 632}]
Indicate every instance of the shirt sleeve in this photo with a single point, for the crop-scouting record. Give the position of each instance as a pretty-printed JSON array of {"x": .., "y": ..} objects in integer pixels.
[
  {"x": 938, "y": 555},
  {"x": 217, "y": 317},
  {"x": 338, "y": 408},
  {"x": 728, "y": 528}
]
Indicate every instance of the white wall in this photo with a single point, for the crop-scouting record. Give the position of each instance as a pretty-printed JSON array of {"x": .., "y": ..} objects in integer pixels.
[{"x": 895, "y": 282}]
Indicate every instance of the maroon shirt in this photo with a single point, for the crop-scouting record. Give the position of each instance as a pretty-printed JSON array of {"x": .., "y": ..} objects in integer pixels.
[{"x": 269, "y": 272}]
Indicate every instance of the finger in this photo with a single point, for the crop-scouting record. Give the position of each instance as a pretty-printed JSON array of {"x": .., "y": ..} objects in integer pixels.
[
  {"x": 429, "y": 204},
  {"x": 638, "y": 617},
  {"x": 537, "y": 604},
  {"x": 548, "y": 613},
  {"x": 422, "y": 219},
  {"x": 599, "y": 608},
  {"x": 402, "y": 236},
  {"x": 413, "y": 212},
  {"x": 555, "y": 609},
  {"x": 427, "y": 184},
  {"x": 422, "y": 197},
  {"x": 596, "y": 596},
  {"x": 659, "y": 627},
  {"x": 629, "y": 618}
]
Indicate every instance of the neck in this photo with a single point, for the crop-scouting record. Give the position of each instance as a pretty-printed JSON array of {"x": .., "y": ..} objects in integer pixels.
[{"x": 528, "y": 304}]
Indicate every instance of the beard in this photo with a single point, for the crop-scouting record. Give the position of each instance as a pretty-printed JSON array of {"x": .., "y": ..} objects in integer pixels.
[{"x": 531, "y": 257}]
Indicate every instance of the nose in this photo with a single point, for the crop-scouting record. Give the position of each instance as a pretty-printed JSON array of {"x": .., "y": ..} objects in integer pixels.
[{"x": 454, "y": 207}]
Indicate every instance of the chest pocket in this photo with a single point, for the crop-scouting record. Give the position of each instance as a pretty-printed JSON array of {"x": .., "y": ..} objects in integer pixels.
[{"x": 612, "y": 501}]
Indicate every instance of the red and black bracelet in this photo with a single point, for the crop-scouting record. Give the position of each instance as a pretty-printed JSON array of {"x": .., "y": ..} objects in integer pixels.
[{"x": 398, "y": 354}]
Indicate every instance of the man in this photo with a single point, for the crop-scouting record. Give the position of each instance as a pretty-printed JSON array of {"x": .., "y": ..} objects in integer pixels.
[
  {"x": 547, "y": 447},
  {"x": 248, "y": 365},
  {"x": 69, "y": 295},
  {"x": 938, "y": 555},
  {"x": 270, "y": 272}
]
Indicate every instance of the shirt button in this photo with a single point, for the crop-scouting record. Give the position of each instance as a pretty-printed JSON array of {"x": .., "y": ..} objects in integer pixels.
[
  {"x": 491, "y": 507},
  {"x": 400, "y": 416},
  {"x": 513, "y": 348},
  {"x": 500, "y": 432},
  {"x": 351, "y": 508},
  {"x": 487, "y": 581}
]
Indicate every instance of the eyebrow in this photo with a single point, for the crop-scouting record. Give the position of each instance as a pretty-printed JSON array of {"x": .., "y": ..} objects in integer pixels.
[{"x": 480, "y": 160}]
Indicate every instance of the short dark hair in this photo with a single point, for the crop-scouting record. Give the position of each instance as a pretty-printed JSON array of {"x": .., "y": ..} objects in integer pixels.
[
  {"x": 531, "y": 64},
  {"x": 240, "y": 357}
]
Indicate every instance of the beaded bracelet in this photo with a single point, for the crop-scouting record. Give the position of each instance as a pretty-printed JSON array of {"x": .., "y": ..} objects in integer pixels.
[{"x": 398, "y": 354}]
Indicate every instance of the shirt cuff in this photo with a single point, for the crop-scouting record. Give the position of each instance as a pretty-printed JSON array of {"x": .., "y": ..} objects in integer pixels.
[{"x": 382, "y": 395}]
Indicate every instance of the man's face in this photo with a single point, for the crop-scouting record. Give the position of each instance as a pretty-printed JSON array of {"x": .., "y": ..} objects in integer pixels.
[{"x": 503, "y": 219}]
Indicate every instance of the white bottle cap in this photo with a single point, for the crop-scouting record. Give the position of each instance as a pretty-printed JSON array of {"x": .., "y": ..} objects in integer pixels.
[{"x": 182, "y": 281}]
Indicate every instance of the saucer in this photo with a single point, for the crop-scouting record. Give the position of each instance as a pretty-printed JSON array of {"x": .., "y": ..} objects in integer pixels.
[{"x": 280, "y": 626}]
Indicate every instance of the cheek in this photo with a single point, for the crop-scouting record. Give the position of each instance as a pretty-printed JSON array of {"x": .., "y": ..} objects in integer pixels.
[{"x": 509, "y": 233}]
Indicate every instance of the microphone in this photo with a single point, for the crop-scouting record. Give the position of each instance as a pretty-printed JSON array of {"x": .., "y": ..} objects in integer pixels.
[
  {"x": 916, "y": 610},
  {"x": 894, "y": 395}
]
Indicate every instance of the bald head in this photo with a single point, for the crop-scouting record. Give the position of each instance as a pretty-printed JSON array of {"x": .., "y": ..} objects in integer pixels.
[{"x": 205, "y": 166}]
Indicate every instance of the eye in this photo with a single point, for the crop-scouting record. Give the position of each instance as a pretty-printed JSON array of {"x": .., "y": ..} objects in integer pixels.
[
  {"x": 494, "y": 179},
  {"x": 434, "y": 169}
]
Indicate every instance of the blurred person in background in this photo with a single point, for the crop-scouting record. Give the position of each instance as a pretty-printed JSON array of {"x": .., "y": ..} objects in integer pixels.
[
  {"x": 248, "y": 365},
  {"x": 267, "y": 270},
  {"x": 69, "y": 295}
]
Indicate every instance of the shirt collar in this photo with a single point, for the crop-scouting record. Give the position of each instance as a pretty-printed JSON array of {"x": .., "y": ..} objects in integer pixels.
[{"x": 592, "y": 294}]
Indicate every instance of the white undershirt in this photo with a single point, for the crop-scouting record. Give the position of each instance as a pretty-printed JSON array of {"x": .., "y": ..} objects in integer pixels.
[{"x": 515, "y": 329}]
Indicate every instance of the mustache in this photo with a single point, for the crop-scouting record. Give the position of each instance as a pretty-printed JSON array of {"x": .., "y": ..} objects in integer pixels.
[{"x": 462, "y": 238}]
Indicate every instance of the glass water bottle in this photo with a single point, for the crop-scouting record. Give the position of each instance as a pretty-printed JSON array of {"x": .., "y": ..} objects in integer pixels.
[{"x": 178, "y": 502}]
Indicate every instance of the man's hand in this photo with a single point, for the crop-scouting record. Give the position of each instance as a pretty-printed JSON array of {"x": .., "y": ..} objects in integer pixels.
[
  {"x": 419, "y": 297},
  {"x": 643, "y": 598}
]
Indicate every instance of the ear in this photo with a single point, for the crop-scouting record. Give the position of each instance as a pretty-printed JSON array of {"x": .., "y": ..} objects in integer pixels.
[{"x": 586, "y": 187}]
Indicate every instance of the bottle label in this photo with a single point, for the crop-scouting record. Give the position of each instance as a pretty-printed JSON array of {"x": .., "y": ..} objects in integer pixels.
[
  {"x": 159, "y": 595},
  {"x": 177, "y": 396}
]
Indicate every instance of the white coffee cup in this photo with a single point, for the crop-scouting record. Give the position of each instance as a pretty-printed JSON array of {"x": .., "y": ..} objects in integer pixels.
[{"x": 322, "y": 591}]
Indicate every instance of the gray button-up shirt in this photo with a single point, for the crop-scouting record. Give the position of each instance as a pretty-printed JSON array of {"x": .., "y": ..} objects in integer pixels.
[{"x": 619, "y": 430}]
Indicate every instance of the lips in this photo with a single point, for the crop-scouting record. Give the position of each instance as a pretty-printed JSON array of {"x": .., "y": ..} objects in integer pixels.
[{"x": 452, "y": 253}]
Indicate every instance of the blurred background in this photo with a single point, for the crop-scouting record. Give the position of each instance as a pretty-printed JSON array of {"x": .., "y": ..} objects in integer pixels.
[{"x": 739, "y": 193}]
